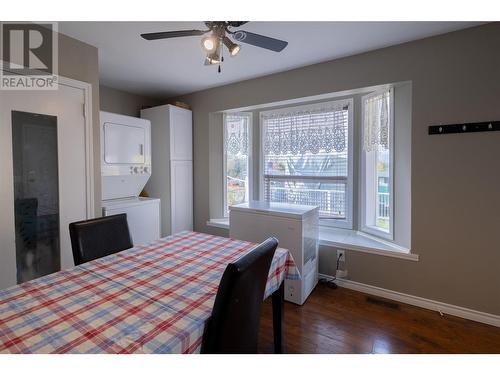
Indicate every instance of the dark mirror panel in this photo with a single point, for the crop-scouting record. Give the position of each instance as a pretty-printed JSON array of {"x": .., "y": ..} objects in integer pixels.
[{"x": 36, "y": 194}]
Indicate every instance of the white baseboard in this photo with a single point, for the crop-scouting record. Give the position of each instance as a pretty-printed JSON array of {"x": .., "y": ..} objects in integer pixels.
[{"x": 425, "y": 303}]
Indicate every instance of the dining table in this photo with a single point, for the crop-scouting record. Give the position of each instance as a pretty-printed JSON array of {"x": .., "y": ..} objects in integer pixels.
[{"x": 155, "y": 298}]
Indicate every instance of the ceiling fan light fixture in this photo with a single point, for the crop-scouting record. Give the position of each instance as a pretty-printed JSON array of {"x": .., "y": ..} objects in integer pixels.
[
  {"x": 231, "y": 46},
  {"x": 209, "y": 43},
  {"x": 213, "y": 58},
  {"x": 235, "y": 50}
]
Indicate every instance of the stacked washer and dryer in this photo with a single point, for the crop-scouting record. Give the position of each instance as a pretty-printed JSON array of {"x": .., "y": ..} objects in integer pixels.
[{"x": 126, "y": 168}]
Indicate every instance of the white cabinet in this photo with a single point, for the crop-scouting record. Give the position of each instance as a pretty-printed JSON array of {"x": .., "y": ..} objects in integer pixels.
[
  {"x": 172, "y": 163},
  {"x": 295, "y": 227}
]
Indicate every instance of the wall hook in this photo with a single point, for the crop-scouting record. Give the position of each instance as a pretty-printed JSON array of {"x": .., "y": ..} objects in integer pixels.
[{"x": 474, "y": 127}]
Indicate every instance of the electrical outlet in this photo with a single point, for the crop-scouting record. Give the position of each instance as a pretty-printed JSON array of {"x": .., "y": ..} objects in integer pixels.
[{"x": 341, "y": 252}]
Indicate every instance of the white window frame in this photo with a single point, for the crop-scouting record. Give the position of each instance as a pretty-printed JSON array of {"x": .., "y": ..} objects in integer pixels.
[
  {"x": 224, "y": 158},
  {"x": 362, "y": 175},
  {"x": 346, "y": 223}
]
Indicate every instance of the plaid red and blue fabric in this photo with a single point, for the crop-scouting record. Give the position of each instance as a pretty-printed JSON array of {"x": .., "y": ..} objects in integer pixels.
[{"x": 148, "y": 299}]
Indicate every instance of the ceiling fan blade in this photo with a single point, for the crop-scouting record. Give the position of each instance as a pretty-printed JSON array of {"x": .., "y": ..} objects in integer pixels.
[
  {"x": 258, "y": 40},
  {"x": 236, "y": 23},
  {"x": 173, "y": 34}
]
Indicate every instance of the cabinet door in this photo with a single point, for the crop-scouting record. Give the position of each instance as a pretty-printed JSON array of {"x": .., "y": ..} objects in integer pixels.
[
  {"x": 181, "y": 134},
  {"x": 182, "y": 195}
]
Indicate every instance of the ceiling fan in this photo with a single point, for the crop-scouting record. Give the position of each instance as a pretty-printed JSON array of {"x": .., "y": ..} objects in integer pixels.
[{"x": 219, "y": 35}]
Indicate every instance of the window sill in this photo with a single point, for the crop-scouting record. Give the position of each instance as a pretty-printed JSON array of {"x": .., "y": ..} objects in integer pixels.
[
  {"x": 348, "y": 240},
  {"x": 219, "y": 223},
  {"x": 357, "y": 241}
]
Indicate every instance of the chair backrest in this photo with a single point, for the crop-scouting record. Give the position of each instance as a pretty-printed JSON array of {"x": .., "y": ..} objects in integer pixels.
[
  {"x": 234, "y": 325},
  {"x": 96, "y": 238}
]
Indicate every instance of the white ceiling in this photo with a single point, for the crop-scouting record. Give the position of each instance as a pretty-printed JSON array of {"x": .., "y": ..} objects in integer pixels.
[{"x": 169, "y": 67}]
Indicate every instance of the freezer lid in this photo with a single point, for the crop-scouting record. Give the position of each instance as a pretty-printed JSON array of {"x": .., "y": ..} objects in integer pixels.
[
  {"x": 294, "y": 211},
  {"x": 121, "y": 203}
]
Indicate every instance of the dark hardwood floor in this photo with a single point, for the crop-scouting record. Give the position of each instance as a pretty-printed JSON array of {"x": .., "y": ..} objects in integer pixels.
[{"x": 345, "y": 321}]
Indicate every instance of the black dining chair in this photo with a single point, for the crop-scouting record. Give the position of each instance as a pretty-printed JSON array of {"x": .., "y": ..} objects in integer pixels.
[
  {"x": 96, "y": 238},
  {"x": 234, "y": 325}
]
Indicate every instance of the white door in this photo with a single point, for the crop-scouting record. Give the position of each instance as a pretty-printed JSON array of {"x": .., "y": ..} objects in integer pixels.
[
  {"x": 181, "y": 185},
  {"x": 44, "y": 146}
]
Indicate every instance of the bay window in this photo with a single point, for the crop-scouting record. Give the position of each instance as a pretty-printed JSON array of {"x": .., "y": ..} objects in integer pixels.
[
  {"x": 337, "y": 154},
  {"x": 307, "y": 158}
]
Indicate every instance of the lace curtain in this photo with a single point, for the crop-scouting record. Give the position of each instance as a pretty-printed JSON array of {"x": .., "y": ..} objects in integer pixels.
[
  {"x": 236, "y": 133},
  {"x": 306, "y": 131},
  {"x": 376, "y": 122}
]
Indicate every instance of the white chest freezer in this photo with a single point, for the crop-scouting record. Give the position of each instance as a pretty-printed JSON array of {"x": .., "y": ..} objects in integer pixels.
[
  {"x": 295, "y": 227},
  {"x": 143, "y": 217}
]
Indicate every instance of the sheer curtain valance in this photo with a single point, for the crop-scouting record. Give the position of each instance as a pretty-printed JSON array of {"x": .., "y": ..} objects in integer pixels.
[
  {"x": 305, "y": 130},
  {"x": 376, "y": 122},
  {"x": 236, "y": 136}
]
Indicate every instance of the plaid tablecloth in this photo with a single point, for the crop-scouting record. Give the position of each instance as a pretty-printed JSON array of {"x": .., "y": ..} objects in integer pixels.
[{"x": 148, "y": 299}]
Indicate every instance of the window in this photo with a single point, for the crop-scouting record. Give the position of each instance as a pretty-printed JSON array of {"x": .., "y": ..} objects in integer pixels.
[
  {"x": 377, "y": 164},
  {"x": 237, "y": 157},
  {"x": 307, "y": 158}
]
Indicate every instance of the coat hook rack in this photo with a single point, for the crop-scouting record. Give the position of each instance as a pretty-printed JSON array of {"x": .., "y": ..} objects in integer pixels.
[{"x": 488, "y": 126}]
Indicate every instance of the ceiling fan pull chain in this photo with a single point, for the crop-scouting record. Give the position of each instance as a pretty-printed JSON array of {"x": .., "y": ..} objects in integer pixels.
[{"x": 221, "y": 56}]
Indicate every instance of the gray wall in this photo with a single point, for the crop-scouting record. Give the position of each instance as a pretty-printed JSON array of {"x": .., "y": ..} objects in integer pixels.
[
  {"x": 455, "y": 178},
  {"x": 125, "y": 103}
]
